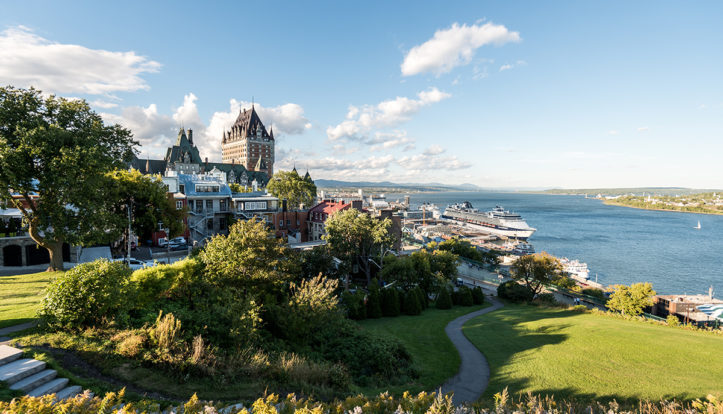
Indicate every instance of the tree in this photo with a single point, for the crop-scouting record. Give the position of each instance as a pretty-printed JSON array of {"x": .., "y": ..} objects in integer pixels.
[
  {"x": 249, "y": 256},
  {"x": 536, "y": 270},
  {"x": 631, "y": 300},
  {"x": 354, "y": 237},
  {"x": 288, "y": 185},
  {"x": 54, "y": 156},
  {"x": 149, "y": 203}
]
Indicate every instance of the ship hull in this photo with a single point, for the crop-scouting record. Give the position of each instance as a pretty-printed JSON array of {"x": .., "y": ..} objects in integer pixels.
[{"x": 519, "y": 234}]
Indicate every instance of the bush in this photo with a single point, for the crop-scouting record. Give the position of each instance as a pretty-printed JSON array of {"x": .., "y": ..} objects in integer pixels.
[
  {"x": 515, "y": 292},
  {"x": 152, "y": 283},
  {"x": 672, "y": 320},
  {"x": 90, "y": 294},
  {"x": 355, "y": 307},
  {"x": 423, "y": 299},
  {"x": 411, "y": 303},
  {"x": 546, "y": 299},
  {"x": 390, "y": 302},
  {"x": 579, "y": 308},
  {"x": 464, "y": 295},
  {"x": 444, "y": 301},
  {"x": 596, "y": 293},
  {"x": 478, "y": 297},
  {"x": 374, "y": 301}
]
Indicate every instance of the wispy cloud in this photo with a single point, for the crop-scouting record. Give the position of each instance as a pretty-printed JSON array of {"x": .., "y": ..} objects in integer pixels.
[
  {"x": 643, "y": 129},
  {"x": 27, "y": 59}
]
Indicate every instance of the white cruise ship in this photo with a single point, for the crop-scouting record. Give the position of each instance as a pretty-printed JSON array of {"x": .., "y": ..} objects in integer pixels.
[
  {"x": 576, "y": 269},
  {"x": 497, "y": 221}
]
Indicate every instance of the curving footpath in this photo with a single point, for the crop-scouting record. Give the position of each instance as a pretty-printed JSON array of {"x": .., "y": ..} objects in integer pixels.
[{"x": 474, "y": 372}]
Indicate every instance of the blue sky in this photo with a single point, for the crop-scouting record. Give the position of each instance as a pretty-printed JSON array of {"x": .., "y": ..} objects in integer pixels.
[{"x": 499, "y": 94}]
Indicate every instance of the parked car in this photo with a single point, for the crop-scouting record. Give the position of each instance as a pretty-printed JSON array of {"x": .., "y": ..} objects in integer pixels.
[
  {"x": 177, "y": 247},
  {"x": 162, "y": 242},
  {"x": 134, "y": 264},
  {"x": 178, "y": 240}
]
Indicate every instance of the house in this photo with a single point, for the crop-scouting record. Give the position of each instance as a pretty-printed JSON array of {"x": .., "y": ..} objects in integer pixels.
[{"x": 318, "y": 215}]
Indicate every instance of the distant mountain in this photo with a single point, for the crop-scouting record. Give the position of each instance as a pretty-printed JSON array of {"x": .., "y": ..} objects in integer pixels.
[
  {"x": 633, "y": 191},
  {"x": 321, "y": 183}
]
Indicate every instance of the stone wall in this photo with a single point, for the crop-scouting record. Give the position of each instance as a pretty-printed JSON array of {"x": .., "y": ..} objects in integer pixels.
[{"x": 23, "y": 251}]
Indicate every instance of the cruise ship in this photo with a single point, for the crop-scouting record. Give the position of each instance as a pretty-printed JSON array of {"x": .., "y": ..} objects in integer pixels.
[
  {"x": 576, "y": 269},
  {"x": 497, "y": 221}
]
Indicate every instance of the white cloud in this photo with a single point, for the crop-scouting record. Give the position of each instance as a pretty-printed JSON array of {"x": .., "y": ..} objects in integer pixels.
[
  {"x": 156, "y": 131},
  {"x": 428, "y": 161},
  {"x": 360, "y": 121},
  {"x": 509, "y": 66},
  {"x": 99, "y": 103},
  {"x": 453, "y": 47},
  {"x": 613, "y": 132},
  {"x": 387, "y": 140},
  {"x": 27, "y": 59},
  {"x": 434, "y": 150},
  {"x": 643, "y": 129}
]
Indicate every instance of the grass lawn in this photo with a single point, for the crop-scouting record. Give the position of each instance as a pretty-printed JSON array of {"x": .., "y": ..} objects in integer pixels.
[
  {"x": 586, "y": 356},
  {"x": 20, "y": 296},
  {"x": 433, "y": 354}
]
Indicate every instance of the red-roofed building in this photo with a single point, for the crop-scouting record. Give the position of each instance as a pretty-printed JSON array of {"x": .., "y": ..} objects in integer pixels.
[{"x": 318, "y": 215}]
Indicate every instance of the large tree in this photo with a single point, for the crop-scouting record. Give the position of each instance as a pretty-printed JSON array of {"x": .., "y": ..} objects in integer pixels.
[
  {"x": 150, "y": 205},
  {"x": 356, "y": 237},
  {"x": 288, "y": 185},
  {"x": 54, "y": 156},
  {"x": 631, "y": 300},
  {"x": 536, "y": 270}
]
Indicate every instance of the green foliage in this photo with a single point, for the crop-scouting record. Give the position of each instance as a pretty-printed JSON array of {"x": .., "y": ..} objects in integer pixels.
[
  {"x": 150, "y": 204},
  {"x": 163, "y": 280},
  {"x": 374, "y": 301},
  {"x": 411, "y": 303},
  {"x": 354, "y": 236},
  {"x": 515, "y": 292},
  {"x": 672, "y": 320},
  {"x": 478, "y": 296},
  {"x": 631, "y": 300},
  {"x": 391, "y": 305},
  {"x": 464, "y": 248},
  {"x": 60, "y": 150},
  {"x": 547, "y": 299},
  {"x": 444, "y": 300},
  {"x": 90, "y": 294},
  {"x": 238, "y": 188},
  {"x": 288, "y": 185},
  {"x": 317, "y": 261},
  {"x": 422, "y": 297},
  {"x": 536, "y": 270},
  {"x": 427, "y": 270},
  {"x": 313, "y": 305},
  {"x": 465, "y": 296},
  {"x": 596, "y": 293},
  {"x": 354, "y": 302},
  {"x": 248, "y": 256}
]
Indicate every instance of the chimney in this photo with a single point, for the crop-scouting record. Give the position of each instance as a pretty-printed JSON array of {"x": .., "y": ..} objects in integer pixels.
[
  {"x": 190, "y": 136},
  {"x": 206, "y": 160}
]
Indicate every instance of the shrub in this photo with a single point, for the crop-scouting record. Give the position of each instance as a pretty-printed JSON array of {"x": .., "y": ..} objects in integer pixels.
[
  {"x": 423, "y": 299},
  {"x": 546, "y": 299},
  {"x": 390, "y": 302},
  {"x": 515, "y": 292},
  {"x": 166, "y": 333},
  {"x": 130, "y": 343},
  {"x": 354, "y": 303},
  {"x": 579, "y": 308},
  {"x": 374, "y": 301},
  {"x": 464, "y": 295},
  {"x": 596, "y": 293},
  {"x": 478, "y": 297},
  {"x": 160, "y": 280},
  {"x": 672, "y": 320},
  {"x": 89, "y": 294},
  {"x": 444, "y": 301},
  {"x": 411, "y": 303}
]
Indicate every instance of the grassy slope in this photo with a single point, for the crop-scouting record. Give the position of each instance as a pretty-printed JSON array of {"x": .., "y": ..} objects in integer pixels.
[
  {"x": 434, "y": 356},
  {"x": 20, "y": 296},
  {"x": 588, "y": 356}
]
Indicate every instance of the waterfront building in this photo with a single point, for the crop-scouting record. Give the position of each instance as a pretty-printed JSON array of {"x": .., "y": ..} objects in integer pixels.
[
  {"x": 249, "y": 144},
  {"x": 687, "y": 308}
]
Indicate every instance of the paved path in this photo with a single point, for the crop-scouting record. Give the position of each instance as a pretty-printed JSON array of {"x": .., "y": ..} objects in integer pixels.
[
  {"x": 10, "y": 329},
  {"x": 474, "y": 372}
]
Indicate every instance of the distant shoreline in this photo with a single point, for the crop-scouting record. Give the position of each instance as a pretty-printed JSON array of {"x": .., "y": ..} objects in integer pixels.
[{"x": 613, "y": 203}]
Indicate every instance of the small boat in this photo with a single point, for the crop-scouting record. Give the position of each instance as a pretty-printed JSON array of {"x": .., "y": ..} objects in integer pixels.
[{"x": 698, "y": 226}]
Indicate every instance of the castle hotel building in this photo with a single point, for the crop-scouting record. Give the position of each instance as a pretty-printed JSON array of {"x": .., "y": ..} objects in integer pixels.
[{"x": 249, "y": 144}]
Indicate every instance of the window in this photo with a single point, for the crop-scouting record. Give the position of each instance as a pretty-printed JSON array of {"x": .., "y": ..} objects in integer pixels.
[
  {"x": 207, "y": 188},
  {"x": 288, "y": 222},
  {"x": 222, "y": 223},
  {"x": 209, "y": 224},
  {"x": 209, "y": 205},
  {"x": 182, "y": 189},
  {"x": 281, "y": 223},
  {"x": 222, "y": 205},
  {"x": 255, "y": 205},
  {"x": 179, "y": 205}
]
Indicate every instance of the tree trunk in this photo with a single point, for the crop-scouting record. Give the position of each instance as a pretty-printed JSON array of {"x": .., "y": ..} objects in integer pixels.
[
  {"x": 55, "y": 248},
  {"x": 56, "y": 256}
]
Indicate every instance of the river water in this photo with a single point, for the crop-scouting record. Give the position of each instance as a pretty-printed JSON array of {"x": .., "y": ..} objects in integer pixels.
[{"x": 619, "y": 244}]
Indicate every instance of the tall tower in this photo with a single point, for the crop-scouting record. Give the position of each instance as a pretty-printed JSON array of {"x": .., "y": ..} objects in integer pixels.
[{"x": 249, "y": 144}]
